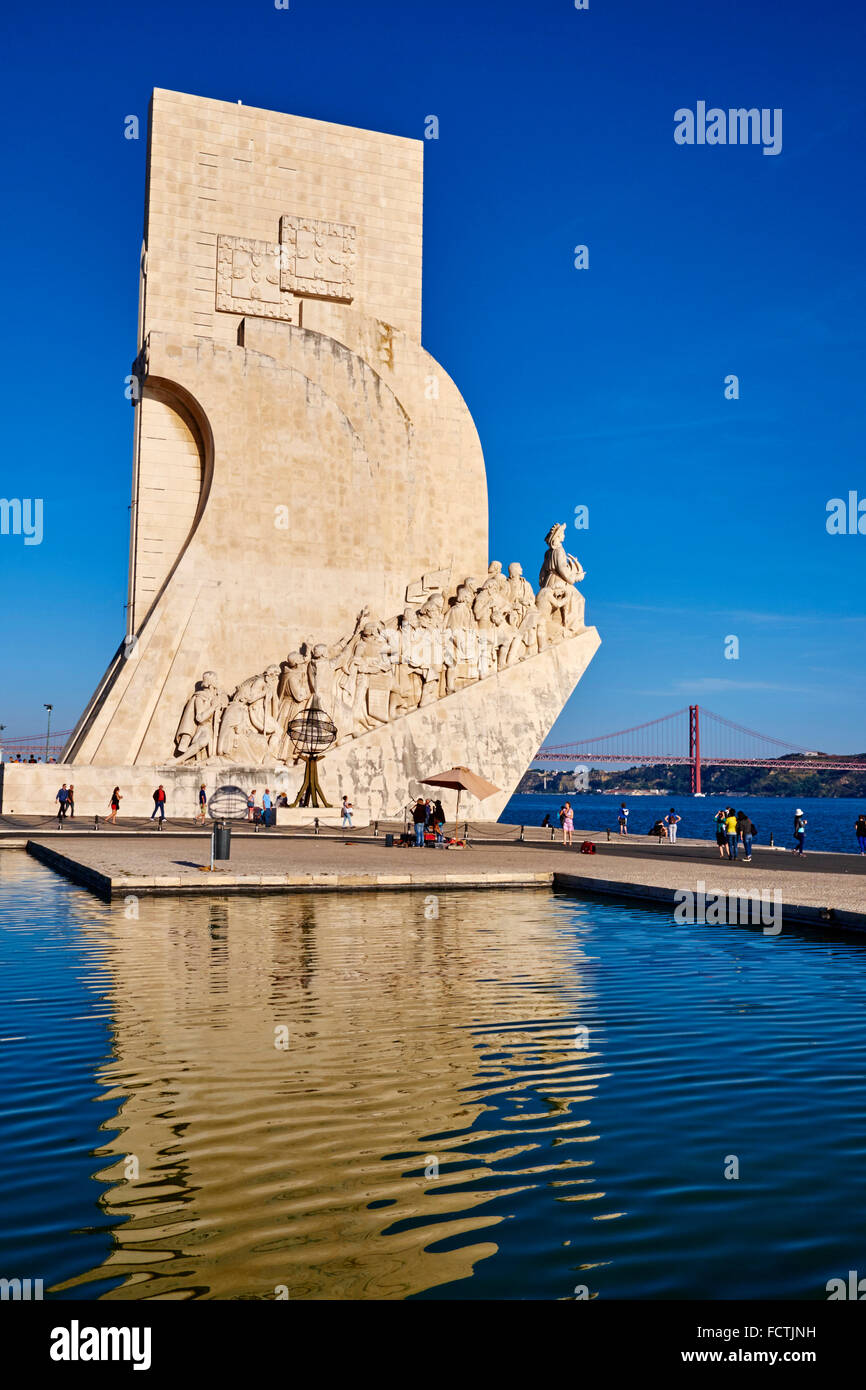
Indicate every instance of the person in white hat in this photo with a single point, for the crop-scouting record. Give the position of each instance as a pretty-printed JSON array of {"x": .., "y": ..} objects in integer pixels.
[{"x": 800, "y": 824}]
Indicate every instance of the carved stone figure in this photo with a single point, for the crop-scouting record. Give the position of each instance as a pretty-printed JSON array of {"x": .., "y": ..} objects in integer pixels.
[
  {"x": 369, "y": 678},
  {"x": 198, "y": 730},
  {"x": 557, "y": 563},
  {"x": 249, "y": 731},
  {"x": 237, "y": 735},
  {"x": 495, "y": 638},
  {"x": 559, "y": 614},
  {"x": 571, "y": 608},
  {"x": 520, "y": 594},
  {"x": 428, "y": 657},
  {"x": 293, "y": 693},
  {"x": 328, "y": 669},
  {"x": 461, "y": 648},
  {"x": 294, "y": 689},
  {"x": 494, "y": 590},
  {"x": 408, "y": 677}
]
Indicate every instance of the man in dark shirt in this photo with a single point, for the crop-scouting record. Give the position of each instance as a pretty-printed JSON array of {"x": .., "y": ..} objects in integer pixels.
[{"x": 419, "y": 816}]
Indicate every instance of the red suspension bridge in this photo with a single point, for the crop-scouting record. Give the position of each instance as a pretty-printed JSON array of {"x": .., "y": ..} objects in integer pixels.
[
  {"x": 696, "y": 737},
  {"x": 41, "y": 746},
  {"x": 690, "y": 736}
]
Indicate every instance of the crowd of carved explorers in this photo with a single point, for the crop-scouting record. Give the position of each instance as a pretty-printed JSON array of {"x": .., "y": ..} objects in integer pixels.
[{"x": 383, "y": 670}]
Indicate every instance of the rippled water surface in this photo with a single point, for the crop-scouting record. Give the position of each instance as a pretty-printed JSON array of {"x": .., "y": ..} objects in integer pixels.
[
  {"x": 521, "y": 1096},
  {"x": 830, "y": 819}
]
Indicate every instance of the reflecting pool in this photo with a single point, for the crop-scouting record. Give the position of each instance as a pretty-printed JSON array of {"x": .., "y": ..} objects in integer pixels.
[{"x": 481, "y": 1095}]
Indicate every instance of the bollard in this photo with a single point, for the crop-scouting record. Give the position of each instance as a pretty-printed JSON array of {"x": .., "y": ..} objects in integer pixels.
[
  {"x": 608, "y": 836},
  {"x": 551, "y": 832},
  {"x": 96, "y": 822},
  {"x": 316, "y": 824},
  {"x": 522, "y": 830},
  {"x": 375, "y": 829},
  {"x": 772, "y": 841}
]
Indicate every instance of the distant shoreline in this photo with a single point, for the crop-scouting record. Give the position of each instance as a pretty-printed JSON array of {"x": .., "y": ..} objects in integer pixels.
[{"x": 689, "y": 796}]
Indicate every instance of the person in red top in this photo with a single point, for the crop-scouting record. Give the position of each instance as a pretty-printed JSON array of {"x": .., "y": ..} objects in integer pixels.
[{"x": 159, "y": 803}]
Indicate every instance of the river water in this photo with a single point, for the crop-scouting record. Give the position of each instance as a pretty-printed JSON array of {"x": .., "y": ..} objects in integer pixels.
[
  {"x": 363, "y": 1096},
  {"x": 830, "y": 819}
]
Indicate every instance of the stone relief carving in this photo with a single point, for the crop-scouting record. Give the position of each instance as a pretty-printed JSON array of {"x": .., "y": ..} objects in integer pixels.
[
  {"x": 316, "y": 258},
  {"x": 385, "y": 669},
  {"x": 428, "y": 584},
  {"x": 248, "y": 279},
  {"x": 196, "y": 737},
  {"x": 556, "y": 561},
  {"x": 264, "y": 278}
]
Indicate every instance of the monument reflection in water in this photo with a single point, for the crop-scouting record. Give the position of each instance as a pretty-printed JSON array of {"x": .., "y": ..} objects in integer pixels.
[
  {"x": 302, "y": 1085},
  {"x": 350, "y": 1096}
]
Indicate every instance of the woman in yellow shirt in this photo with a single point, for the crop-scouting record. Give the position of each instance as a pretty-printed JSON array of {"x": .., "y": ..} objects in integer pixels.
[{"x": 731, "y": 832}]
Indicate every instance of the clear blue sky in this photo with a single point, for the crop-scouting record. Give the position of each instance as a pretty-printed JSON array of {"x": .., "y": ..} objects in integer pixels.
[{"x": 603, "y": 387}]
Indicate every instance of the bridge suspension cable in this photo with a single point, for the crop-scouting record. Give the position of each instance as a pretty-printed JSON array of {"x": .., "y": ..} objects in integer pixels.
[{"x": 681, "y": 738}]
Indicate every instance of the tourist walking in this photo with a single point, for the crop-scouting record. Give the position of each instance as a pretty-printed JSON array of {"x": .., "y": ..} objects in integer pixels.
[
  {"x": 61, "y": 798},
  {"x": 251, "y": 805},
  {"x": 267, "y": 803},
  {"x": 800, "y": 824},
  {"x": 731, "y": 831},
  {"x": 346, "y": 812},
  {"x": 672, "y": 820},
  {"x": 159, "y": 804},
  {"x": 748, "y": 831},
  {"x": 70, "y": 801},
  {"x": 623, "y": 818},
  {"x": 202, "y": 804},
  {"x": 114, "y": 805},
  {"x": 568, "y": 825},
  {"x": 721, "y": 834},
  {"x": 860, "y": 832},
  {"x": 419, "y": 816}
]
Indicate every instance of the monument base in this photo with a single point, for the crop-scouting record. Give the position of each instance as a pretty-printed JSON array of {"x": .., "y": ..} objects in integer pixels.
[
  {"x": 308, "y": 815},
  {"x": 495, "y": 727}
]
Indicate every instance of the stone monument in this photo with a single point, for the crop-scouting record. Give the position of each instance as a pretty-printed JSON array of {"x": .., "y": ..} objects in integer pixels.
[{"x": 309, "y": 500}]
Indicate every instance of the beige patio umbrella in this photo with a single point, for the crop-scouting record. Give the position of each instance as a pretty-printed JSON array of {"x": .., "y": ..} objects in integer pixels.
[{"x": 461, "y": 779}]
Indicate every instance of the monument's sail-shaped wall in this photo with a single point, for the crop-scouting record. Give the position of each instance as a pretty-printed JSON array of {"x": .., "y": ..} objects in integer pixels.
[{"x": 298, "y": 454}]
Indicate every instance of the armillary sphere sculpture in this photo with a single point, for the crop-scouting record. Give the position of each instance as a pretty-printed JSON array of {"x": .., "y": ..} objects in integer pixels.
[{"x": 312, "y": 732}]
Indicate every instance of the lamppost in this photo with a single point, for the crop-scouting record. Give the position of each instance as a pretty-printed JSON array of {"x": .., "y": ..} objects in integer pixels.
[{"x": 48, "y": 730}]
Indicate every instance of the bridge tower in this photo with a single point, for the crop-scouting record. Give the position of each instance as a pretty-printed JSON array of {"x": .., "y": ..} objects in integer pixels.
[{"x": 695, "y": 748}]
